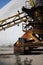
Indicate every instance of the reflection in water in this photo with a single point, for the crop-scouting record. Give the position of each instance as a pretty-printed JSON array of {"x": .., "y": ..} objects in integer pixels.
[
  {"x": 25, "y": 62},
  {"x": 16, "y": 61},
  {"x": 6, "y": 63}
]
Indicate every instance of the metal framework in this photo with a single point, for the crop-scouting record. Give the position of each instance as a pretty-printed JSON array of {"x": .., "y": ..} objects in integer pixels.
[
  {"x": 19, "y": 18},
  {"x": 16, "y": 19}
]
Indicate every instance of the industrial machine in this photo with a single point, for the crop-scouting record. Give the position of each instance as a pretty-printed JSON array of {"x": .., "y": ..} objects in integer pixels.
[{"x": 33, "y": 28}]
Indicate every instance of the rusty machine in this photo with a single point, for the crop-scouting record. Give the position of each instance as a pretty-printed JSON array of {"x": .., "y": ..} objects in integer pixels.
[{"x": 32, "y": 26}]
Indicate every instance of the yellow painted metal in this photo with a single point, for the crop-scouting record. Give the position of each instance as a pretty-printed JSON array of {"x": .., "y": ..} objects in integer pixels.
[
  {"x": 4, "y": 20},
  {"x": 32, "y": 3},
  {"x": 14, "y": 16},
  {"x": 12, "y": 24}
]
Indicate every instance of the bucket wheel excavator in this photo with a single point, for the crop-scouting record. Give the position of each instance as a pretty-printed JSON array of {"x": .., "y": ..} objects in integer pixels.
[{"x": 32, "y": 26}]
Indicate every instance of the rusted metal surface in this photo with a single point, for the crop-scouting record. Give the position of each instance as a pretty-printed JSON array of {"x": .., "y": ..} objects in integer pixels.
[{"x": 21, "y": 47}]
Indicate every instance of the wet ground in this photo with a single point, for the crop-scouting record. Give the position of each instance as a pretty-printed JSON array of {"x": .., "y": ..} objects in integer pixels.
[
  {"x": 8, "y": 58},
  {"x": 11, "y": 59}
]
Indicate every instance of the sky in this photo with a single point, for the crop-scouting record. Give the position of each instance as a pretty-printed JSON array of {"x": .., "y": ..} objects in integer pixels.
[
  {"x": 7, "y": 9},
  {"x": 3, "y": 3},
  {"x": 11, "y": 35}
]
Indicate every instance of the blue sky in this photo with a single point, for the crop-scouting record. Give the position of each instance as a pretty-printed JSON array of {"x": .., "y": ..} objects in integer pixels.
[{"x": 3, "y": 3}]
